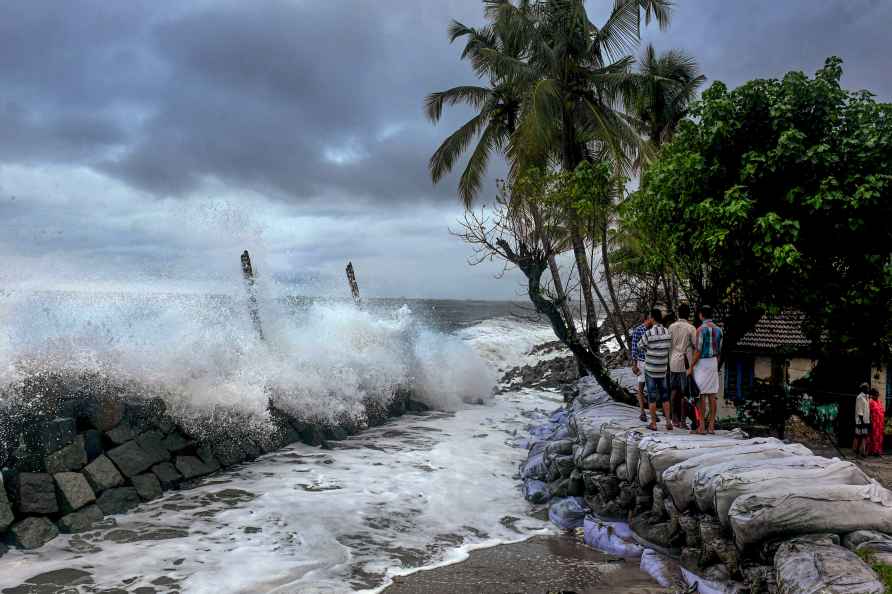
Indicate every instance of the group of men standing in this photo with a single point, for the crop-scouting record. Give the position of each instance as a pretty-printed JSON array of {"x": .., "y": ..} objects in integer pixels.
[{"x": 681, "y": 359}]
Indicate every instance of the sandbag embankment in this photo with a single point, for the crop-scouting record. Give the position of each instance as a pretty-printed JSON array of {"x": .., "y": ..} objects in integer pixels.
[{"x": 722, "y": 504}]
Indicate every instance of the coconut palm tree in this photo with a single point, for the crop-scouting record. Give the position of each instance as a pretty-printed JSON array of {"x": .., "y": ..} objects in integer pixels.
[{"x": 667, "y": 85}]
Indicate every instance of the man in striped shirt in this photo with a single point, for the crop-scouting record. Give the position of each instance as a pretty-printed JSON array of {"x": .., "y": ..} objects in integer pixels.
[
  {"x": 656, "y": 344},
  {"x": 638, "y": 362}
]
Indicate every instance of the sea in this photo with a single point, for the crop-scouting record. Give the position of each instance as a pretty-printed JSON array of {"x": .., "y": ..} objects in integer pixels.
[{"x": 419, "y": 492}]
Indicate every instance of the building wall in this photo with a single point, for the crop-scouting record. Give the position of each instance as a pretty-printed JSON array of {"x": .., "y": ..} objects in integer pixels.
[
  {"x": 797, "y": 367},
  {"x": 879, "y": 379}
]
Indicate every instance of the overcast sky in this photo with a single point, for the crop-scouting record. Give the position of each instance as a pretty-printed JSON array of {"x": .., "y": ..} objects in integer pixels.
[{"x": 146, "y": 143}]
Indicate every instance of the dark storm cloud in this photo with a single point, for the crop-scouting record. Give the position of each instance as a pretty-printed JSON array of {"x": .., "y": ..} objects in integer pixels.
[
  {"x": 115, "y": 116},
  {"x": 304, "y": 99}
]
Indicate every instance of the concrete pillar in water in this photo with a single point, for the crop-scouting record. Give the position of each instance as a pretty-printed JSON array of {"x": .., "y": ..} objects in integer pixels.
[
  {"x": 354, "y": 286},
  {"x": 248, "y": 273}
]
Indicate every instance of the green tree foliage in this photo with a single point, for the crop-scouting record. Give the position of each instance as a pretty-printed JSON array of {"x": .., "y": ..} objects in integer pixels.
[{"x": 777, "y": 194}]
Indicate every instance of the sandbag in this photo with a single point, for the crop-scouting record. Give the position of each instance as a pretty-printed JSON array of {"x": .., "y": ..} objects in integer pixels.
[
  {"x": 679, "y": 478},
  {"x": 622, "y": 472},
  {"x": 595, "y": 462},
  {"x": 534, "y": 467},
  {"x": 536, "y": 491},
  {"x": 817, "y": 508},
  {"x": 664, "y": 454},
  {"x": 706, "y": 479},
  {"x": 713, "y": 580},
  {"x": 633, "y": 441},
  {"x": 729, "y": 486},
  {"x": 805, "y": 567},
  {"x": 613, "y": 538},
  {"x": 853, "y": 540},
  {"x": 871, "y": 544},
  {"x": 617, "y": 452},
  {"x": 567, "y": 513},
  {"x": 664, "y": 570},
  {"x": 560, "y": 447}
]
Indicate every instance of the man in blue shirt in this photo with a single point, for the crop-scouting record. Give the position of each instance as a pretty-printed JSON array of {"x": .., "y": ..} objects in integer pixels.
[{"x": 638, "y": 357}]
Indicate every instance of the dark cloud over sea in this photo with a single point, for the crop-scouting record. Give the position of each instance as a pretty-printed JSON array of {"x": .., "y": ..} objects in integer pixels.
[{"x": 150, "y": 140}]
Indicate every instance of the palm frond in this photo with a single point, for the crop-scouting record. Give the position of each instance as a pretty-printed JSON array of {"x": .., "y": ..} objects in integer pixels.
[
  {"x": 444, "y": 158},
  {"x": 472, "y": 178},
  {"x": 475, "y": 96}
]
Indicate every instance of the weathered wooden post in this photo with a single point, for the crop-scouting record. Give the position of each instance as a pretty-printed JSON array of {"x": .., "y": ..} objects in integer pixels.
[
  {"x": 248, "y": 272},
  {"x": 354, "y": 287}
]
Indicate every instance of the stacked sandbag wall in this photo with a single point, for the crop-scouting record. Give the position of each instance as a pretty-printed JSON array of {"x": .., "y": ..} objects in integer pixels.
[
  {"x": 732, "y": 510},
  {"x": 70, "y": 458}
]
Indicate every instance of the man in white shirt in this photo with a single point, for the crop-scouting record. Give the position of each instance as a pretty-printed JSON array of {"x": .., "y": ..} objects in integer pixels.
[{"x": 683, "y": 333}]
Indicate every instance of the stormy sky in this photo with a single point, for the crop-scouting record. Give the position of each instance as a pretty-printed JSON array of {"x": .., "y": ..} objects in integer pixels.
[{"x": 146, "y": 143}]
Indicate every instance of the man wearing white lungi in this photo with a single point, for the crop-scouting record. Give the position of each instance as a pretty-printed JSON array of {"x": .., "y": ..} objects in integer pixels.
[{"x": 705, "y": 367}]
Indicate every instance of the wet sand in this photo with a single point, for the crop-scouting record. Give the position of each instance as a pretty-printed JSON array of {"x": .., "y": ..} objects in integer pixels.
[{"x": 543, "y": 564}]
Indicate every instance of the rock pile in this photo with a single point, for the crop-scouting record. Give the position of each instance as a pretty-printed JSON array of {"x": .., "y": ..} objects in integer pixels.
[
  {"x": 70, "y": 459},
  {"x": 747, "y": 514}
]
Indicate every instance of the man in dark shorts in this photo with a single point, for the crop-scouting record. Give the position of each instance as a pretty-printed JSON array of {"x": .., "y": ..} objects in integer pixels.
[
  {"x": 683, "y": 334},
  {"x": 656, "y": 345}
]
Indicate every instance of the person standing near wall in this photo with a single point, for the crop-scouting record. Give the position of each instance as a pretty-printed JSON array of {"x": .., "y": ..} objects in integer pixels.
[
  {"x": 705, "y": 367},
  {"x": 656, "y": 345},
  {"x": 877, "y": 424},
  {"x": 862, "y": 421},
  {"x": 683, "y": 334},
  {"x": 638, "y": 358}
]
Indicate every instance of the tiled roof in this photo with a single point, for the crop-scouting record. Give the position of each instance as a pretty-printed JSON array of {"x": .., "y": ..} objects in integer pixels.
[{"x": 783, "y": 331}]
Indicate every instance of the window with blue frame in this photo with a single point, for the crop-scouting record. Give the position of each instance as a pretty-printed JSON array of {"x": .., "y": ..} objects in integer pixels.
[{"x": 739, "y": 377}]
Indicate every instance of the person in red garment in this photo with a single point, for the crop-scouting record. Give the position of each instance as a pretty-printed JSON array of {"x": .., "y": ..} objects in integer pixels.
[{"x": 877, "y": 424}]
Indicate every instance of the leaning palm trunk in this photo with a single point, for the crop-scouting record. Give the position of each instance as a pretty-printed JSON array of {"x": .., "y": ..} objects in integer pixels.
[
  {"x": 610, "y": 319},
  {"x": 555, "y": 272},
  {"x": 582, "y": 265}
]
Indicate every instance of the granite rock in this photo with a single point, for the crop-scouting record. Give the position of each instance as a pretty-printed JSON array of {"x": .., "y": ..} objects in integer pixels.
[
  {"x": 191, "y": 467},
  {"x": 103, "y": 474},
  {"x": 70, "y": 458},
  {"x": 147, "y": 486},
  {"x": 167, "y": 475},
  {"x": 33, "y": 532},
  {"x": 118, "y": 501},
  {"x": 74, "y": 490},
  {"x": 120, "y": 434},
  {"x": 80, "y": 520},
  {"x": 152, "y": 443},
  {"x": 131, "y": 459},
  {"x": 36, "y": 493}
]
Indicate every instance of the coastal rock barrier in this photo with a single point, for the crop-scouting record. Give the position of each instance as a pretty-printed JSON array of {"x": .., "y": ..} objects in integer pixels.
[
  {"x": 74, "y": 450},
  {"x": 725, "y": 512}
]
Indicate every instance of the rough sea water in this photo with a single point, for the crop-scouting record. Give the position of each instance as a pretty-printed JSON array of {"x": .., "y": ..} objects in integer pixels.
[{"x": 420, "y": 491}]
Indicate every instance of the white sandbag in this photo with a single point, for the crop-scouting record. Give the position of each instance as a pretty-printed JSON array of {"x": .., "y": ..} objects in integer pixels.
[
  {"x": 665, "y": 454},
  {"x": 817, "y": 508},
  {"x": 731, "y": 485},
  {"x": 561, "y": 447},
  {"x": 600, "y": 462},
  {"x": 622, "y": 472},
  {"x": 664, "y": 570},
  {"x": 618, "y": 452},
  {"x": 706, "y": 479},
  {"x": 805, "y": 567},
  {"x": 605, "y": 442},
  {"x": 633, "y": 440},
  {"x": 679, "y": 479},
  {"x": 712, "y": 581},
  {"x": 614, "y": 538}
]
